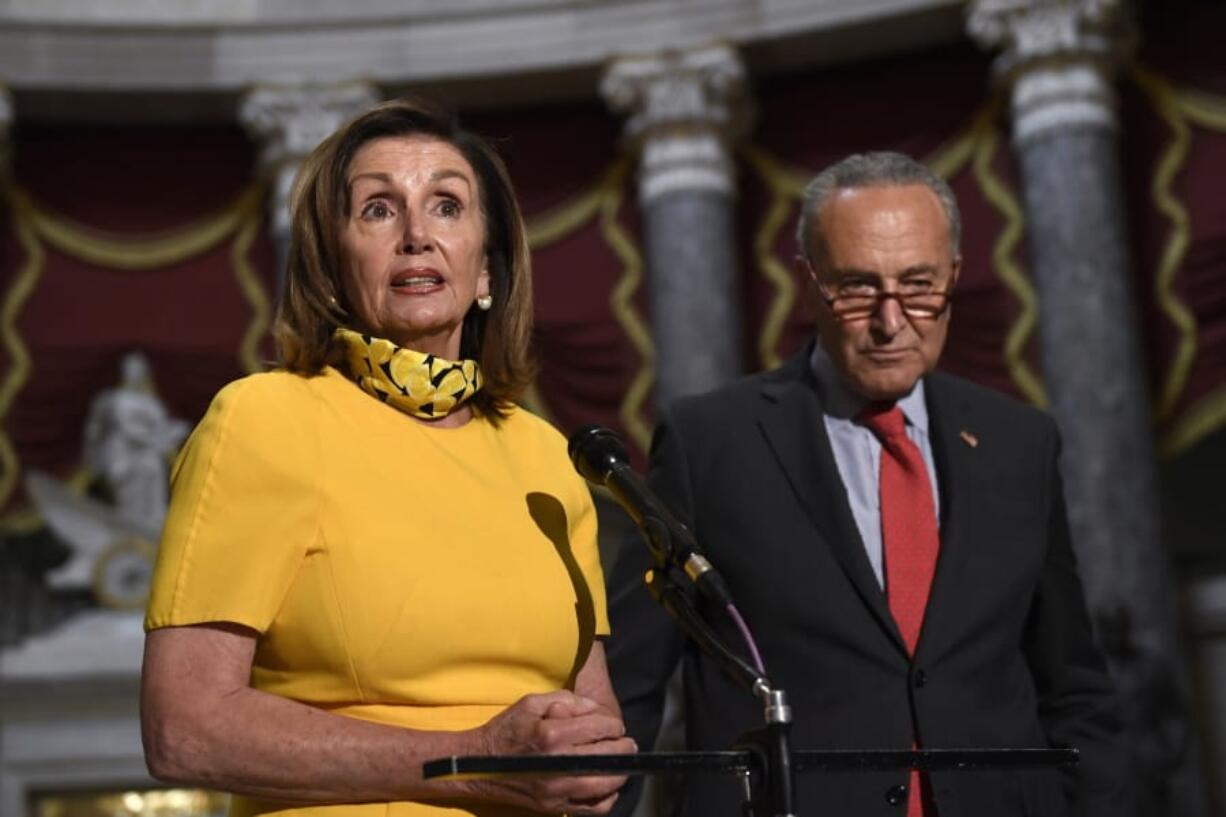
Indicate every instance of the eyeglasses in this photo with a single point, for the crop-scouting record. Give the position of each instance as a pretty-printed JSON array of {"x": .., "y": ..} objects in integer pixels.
[{"x": 853, "y": 306}]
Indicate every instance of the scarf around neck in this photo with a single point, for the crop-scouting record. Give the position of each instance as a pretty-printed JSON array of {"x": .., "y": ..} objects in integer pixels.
[{"x": 419, "y": 384}]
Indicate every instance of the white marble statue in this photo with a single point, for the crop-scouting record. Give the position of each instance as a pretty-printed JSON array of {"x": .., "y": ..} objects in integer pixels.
[{"x": 129, "y": 437}]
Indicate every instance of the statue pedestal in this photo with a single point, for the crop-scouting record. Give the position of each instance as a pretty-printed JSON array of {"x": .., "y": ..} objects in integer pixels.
[
  {"x": 69, "y": 709},
  {"x": 97, "y": 643}
]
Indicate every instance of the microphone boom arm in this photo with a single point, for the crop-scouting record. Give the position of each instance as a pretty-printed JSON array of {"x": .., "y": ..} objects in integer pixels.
[{"x": 599, "y": 457}]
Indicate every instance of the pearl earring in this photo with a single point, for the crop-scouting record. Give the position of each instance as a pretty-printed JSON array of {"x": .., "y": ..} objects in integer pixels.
[{"x": 484, "y": 302}]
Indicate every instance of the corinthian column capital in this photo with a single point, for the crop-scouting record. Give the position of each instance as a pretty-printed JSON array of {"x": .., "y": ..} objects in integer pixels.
[
  {"x": 685, "y": 109},
  {"x": 1059, "y": 57},
  {"x": 289, "y": 121},
  {"x": 1032, "y": 30}
]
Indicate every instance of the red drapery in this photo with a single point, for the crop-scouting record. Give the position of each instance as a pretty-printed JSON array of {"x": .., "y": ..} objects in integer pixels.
[{"x": 127, "y": 188}]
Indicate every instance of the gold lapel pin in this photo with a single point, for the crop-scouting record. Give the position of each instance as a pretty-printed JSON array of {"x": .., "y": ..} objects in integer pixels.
[{"x": 969, "y": 438}]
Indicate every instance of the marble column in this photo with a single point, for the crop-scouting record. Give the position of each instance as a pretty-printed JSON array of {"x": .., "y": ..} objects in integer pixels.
[
  {"x": 288, "y": 122},
  {"x": 16, "y": 582},
  {"x": 1058, "y": 61},
  {"x": 685, "y": 111}
]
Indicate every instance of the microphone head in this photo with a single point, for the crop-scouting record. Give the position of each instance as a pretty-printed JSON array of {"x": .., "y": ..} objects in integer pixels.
[{"x": 595, "y": 452}]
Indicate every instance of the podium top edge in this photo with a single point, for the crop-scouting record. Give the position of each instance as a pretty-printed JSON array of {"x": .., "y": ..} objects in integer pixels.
[{"x": 740, "y": 760}]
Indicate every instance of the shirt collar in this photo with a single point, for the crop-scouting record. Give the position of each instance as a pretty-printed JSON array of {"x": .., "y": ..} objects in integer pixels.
[{"x": 840, "y": 401}]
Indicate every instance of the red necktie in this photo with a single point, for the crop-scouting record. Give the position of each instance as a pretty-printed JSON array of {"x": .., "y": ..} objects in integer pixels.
[{"x": 909, "y": 538}]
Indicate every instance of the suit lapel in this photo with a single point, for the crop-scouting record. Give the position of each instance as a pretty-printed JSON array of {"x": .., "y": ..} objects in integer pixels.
[
  {"x": 791, "y": 421},
  {"x": 955, "y": 452}
]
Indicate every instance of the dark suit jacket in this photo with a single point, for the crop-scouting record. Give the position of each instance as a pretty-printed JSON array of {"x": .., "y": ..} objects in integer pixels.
[{"x": 1006, "y": 657}]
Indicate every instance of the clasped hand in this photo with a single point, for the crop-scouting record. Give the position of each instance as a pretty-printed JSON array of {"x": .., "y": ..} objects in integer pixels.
[{"x": 557, "y": 723}]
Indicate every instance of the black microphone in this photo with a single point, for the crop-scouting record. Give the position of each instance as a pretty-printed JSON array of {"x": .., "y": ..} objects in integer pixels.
[{"x": 600, "y": 458}]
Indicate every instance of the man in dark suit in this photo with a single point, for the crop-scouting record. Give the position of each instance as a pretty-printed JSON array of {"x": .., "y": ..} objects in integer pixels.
[{"x": 896, "y": 539}]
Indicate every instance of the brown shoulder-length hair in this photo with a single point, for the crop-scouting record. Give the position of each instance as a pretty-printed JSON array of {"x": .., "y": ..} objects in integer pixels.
[{"x": 313, "y": 302}]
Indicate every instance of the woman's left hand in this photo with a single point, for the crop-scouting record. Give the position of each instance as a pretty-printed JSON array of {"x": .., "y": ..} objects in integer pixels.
[{"x": 587, "y": 721}]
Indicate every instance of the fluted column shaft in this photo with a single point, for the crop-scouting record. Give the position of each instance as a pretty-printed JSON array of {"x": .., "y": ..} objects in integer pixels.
[
  {"x": 1059, "y": 63},
  {"x": 685, "y": 112}
]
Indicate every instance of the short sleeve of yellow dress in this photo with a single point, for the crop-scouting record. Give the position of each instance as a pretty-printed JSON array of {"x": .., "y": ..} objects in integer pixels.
[{"x": 395, "y": 572}]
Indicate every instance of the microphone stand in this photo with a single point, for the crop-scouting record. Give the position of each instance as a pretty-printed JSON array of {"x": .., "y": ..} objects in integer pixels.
[
  {"x": 770, "y": 783},
  {"x": 600, "y": 458},
  {"x": 763, "y": 758}
]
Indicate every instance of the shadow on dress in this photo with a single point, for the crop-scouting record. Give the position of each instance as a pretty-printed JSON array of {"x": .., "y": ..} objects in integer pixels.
[{"x": 549, "y": 515}]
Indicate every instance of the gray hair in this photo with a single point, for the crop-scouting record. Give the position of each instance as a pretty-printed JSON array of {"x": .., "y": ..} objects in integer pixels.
[{"x": 875, "y": 169}]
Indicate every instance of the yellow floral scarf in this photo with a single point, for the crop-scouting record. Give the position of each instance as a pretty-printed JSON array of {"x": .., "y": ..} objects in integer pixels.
[{"x": 417, "y": 383}]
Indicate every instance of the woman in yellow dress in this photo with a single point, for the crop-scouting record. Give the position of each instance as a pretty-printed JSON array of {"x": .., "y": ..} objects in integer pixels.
[{"x": 372, "y": 557}]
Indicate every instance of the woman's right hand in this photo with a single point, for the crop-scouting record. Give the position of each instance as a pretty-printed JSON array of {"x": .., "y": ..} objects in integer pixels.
[{"x": 556, "y": 723}]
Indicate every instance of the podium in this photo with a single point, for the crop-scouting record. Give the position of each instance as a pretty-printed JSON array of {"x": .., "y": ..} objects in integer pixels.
[
  {"x": 742, "y": 761},
  {"x": 760, "y": 784},
  {"x": 763, "y": 760}
]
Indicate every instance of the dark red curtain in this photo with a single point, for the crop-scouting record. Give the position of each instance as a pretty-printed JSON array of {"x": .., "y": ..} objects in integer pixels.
[{"x": 578, "y": 192}]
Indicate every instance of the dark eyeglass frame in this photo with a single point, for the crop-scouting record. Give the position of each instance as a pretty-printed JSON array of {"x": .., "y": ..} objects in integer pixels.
[{"x": 909, "y": 310}]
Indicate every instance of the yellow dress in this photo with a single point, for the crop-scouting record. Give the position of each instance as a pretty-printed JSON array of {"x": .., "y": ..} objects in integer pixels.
[{"x": 399, "y": 573}]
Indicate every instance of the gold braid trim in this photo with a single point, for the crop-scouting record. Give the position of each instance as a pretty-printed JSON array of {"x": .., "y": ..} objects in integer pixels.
[
  {"x": 604, "y": 201},
  {"x": 120, "y": 252},
  {"x": 1193, "y": 425},
  {"x": 1206, "y": 110},
  {"x": 785, "y": 186},
  {"x": 952, "y": 156},
  {"x": 555, "y": 224},
  {"x": 621, "y": 301},
  {"x": 788, "y": 181},
  {"x": 19, "y": 359},
  {"x": 113, "y": 251},
  {"x": 243, "y": 219},
  {"x": 1171, "y": 162},
  {"x": 253, "y": 290},
  {"x": 1007, "y": 269}
]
